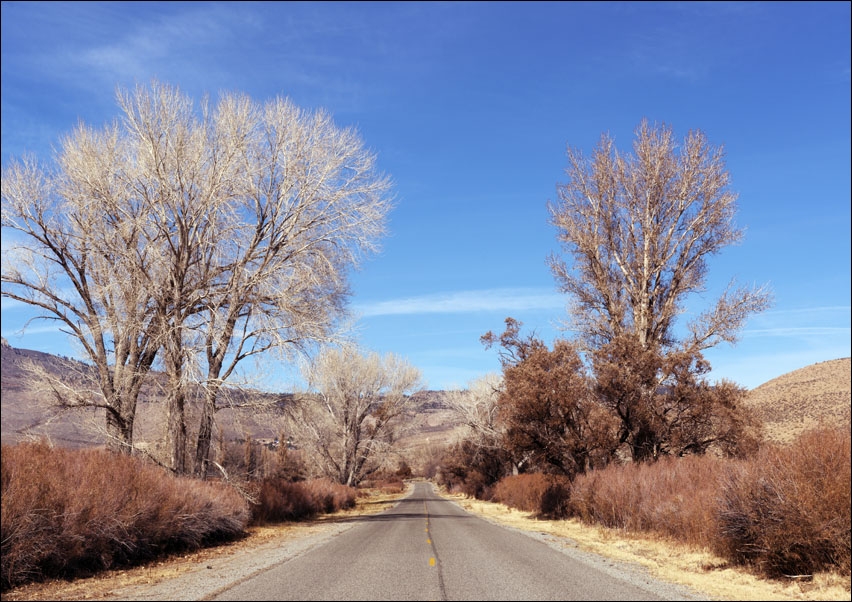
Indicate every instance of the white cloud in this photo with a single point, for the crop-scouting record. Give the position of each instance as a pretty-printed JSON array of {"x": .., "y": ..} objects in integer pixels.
[
  {"x": 797, "y": 331},
  {"x": 486, "y": 300}
]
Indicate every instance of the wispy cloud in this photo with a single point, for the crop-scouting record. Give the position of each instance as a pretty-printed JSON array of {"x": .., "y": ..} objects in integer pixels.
[
  {"x": 486, "y": 300},
  {"x": 28, "y": 330},
  {"x": 811, "y": 310},
  {"x": 797, "y": 331}
]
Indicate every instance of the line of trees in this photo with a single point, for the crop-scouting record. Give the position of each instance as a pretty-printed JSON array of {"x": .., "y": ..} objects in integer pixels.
[
  {"x": 639, "y": 229},
  {"x": 192, "y": 238}
]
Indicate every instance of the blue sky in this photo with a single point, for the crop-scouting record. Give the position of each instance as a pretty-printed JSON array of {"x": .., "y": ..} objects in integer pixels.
[{"x": 469, "y": 108}]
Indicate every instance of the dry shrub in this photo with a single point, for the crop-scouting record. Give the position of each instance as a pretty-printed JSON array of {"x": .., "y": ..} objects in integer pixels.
[
  {"x": 673, "y": 497},
  {"x": 67, "y": 513},
  {"x": 280, "y": 500},
  {"x": 787, "y": 512},
  {"x": 544, "y": 495},
  {"x": 329, "y": 496}
]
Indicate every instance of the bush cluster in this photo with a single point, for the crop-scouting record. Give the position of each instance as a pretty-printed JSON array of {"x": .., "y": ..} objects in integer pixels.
[
  {"x": 785, "y": 511},
  {"x": 674, "y": 497},
  {"x": 68, "y": 512},
  {"x": 544, "y": 495},
  {"x": 280, "y": 500}
]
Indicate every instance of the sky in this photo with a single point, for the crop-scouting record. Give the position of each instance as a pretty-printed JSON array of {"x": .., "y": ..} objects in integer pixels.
[{"x": 469, "y": 108}]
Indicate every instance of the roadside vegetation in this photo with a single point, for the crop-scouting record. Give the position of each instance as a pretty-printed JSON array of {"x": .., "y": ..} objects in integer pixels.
[
  {"x": 782, "y": 513},
  {"x": 72, "y": 513}
]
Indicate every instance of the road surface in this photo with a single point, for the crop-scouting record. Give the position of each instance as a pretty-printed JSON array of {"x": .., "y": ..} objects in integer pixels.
[{"x": 428, "y": 548}]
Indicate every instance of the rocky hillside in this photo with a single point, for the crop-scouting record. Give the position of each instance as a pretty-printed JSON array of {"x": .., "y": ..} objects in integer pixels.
[{"x": 805, "y": 398}]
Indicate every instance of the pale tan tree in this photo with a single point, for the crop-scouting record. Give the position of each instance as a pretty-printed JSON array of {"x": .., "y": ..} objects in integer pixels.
[
  {"x": 312, "y": 206},
  {"x": 640, "y": 229},
  {"x": 476, "y": 407},
  {"x": 357, "y": 402},
  {"x": 204, "y": 234},
  {"x": 78, "y": 255}
]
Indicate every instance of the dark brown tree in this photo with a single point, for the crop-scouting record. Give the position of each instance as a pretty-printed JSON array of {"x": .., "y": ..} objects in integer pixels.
[
  {"x": 550, "y": 416},
  {"x": 665, "y": 406}
]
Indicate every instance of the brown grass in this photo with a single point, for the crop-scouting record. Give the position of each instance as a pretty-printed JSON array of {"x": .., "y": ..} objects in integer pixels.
[
  {"x": 673, "y": 497},
  {"x": 544, "y": 495},
  {"x": 665, "y": 558},
  {"x": 124, "y": 583},
  {"x": 69, "y": 513},
  {"x": 784, "y": 514}
]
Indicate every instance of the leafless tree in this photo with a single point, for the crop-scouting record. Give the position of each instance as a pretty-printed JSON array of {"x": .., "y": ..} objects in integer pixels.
[
  {"x": 357, "y": 403},
  {"x": 640, "y": 229},
  {"x": 206, "y": 236},
  {"x": 81, "y": 260},
  {"x": 477, "y": 409}
]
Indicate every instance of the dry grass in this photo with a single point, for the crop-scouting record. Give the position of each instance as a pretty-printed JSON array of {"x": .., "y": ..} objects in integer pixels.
[
  {"x": 673, "y": 497},
  {"x": 71, "y": 512},
  {"x": 816, "y": 395},
  {"x": 787, "y": 511},
  {"x": 665, "y": 559}
]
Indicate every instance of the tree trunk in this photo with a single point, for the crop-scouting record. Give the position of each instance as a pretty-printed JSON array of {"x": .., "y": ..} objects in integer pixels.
[
  {"x": 120, "y": 432},
  {"x": 205, "y": 431}
]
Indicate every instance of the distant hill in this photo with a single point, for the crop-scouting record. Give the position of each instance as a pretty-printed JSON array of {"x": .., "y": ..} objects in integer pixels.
[
  {"x": 787, "y": 405},
  {"x": 28, "y": 413},
  {"x": 805, "y": 398}
]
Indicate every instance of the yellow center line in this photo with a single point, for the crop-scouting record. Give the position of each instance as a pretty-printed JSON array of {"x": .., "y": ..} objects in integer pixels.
[{"x": 432, "y": 560}]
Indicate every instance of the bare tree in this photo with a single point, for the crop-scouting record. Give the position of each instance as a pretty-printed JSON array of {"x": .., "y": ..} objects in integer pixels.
[
  {"x": 312, "y": 204},
  {"x": 640, "y": 229},
  {"x": 205, "y": 236},
  {"x": 477, "y": 409},
  {"x": 81, "y": 261},
  {"x": 352, "y": 416}
]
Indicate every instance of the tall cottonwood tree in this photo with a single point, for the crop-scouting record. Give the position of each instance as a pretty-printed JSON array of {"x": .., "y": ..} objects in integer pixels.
[
  {"x": 311, "y": 205},
  {"x": 639, "y": 229},
  {"x": 350, "y": 419},
  {"x": 205, "y": 236}
]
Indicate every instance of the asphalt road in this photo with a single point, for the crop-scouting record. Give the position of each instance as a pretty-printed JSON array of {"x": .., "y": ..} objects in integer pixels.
[{"x": 428, "y": 548}]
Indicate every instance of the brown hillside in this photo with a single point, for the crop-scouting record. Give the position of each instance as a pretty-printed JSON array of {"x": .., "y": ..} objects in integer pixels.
[
  {"x": 30, "y": 413},
  {"x": 788, "y": 405},
  {"x": 805, "y": 398}
]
